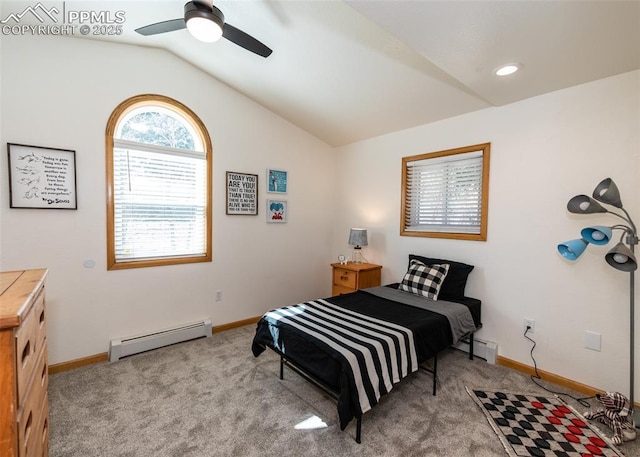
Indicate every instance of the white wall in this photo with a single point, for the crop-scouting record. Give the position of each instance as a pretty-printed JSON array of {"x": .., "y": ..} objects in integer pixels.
[
  {"x": 59, "y": 92},
  {"x": 544, "y": 151}
]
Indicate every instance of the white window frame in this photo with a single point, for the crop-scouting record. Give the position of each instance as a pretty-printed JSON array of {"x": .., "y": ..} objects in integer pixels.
[
  {"x": 116, "y": 261},
  {"x": 445, "y": 194}
]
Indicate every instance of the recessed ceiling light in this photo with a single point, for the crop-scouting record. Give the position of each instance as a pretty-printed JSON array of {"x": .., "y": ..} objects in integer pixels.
[{"x": 508, "y": 69}]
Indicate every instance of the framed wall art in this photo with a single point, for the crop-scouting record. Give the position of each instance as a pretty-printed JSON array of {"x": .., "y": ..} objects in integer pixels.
[
  {"x": 242, "y": 194},
  {"x": 277, "y": 211},
  {"x": 41, "y": 177},
  {"x": 277, "y": 181}
]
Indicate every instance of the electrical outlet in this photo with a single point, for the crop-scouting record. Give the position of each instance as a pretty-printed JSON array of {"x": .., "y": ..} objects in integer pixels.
[
  {"x": 529, "y": 323},
  {"x": 218, "y": 295}
]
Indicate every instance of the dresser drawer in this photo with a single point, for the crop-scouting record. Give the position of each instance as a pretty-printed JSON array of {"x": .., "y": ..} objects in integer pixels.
[
  {"x": 41, "y": 377},
  {"x": 41, "y": 321},
  {"x": 29, "y": 337},
  {"x": 30, "y": 415},
  {"x": 345, "y": 278},
  {"x": 42, "y": 431}
]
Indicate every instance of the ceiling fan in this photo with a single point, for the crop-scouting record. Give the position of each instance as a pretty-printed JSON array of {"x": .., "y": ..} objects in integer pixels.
[{"x": 206, "y": 23}]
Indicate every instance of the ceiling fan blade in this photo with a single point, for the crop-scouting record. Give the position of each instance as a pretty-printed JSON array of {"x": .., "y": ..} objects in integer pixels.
[
  {"x": 245, "y": 40},
  {"x": 162, "y": 27}
]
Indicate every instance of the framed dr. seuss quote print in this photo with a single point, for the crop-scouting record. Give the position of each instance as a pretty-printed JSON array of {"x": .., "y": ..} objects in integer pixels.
[
  {"x": 41, "y": 177},
  {"x": 242, "y": 193},
  {"x": 277, "y": 181},
  {"x": 277, "y": 211}
]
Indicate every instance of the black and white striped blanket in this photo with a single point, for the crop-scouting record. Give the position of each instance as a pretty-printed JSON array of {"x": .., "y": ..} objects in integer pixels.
[{"x": 379, "y": 353}]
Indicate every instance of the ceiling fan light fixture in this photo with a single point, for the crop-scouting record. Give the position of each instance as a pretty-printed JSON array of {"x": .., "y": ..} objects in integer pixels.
[
  {"x": 203, "y": 22},
  {"x": 508, "y": 69},
  {"x": 206, "y": 23}
]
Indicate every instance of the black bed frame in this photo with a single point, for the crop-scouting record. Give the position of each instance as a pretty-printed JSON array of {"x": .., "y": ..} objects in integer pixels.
[{"x": 335, "y": 394}]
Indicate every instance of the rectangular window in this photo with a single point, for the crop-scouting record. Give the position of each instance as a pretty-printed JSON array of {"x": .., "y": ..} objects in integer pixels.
[
  {"x": 160, "y": 205},
  {"x": 445, "y": 193}
]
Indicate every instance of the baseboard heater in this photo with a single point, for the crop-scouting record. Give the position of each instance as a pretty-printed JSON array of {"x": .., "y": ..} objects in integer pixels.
[
  {"x": 123, "y": 347},
  {"x": 487, "y": 350}
]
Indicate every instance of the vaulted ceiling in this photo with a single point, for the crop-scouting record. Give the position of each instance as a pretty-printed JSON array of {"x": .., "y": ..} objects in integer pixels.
[{"x": 347, "y": 71}]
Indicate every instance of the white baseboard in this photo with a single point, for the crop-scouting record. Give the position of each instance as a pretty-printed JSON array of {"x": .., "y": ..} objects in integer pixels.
[{"x": 487, "y": 350}]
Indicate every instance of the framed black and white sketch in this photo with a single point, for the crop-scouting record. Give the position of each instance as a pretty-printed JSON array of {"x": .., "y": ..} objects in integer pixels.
[
  {"x": 41, "y": 177},
  {"x": 242, "y": 194},
  {"x": 277, "y": 181},
  {"x": 277, "y": 211}
]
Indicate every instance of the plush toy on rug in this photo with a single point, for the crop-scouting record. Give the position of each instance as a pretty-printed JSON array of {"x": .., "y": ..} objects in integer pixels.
[{"x": 617, "y": 415}]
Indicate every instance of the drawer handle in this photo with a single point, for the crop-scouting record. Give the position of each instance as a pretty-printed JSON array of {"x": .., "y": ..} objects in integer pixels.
[
  {"x": 344, "y": 278},
  {"x": 43, "y": 379},
  {"x": 45, "y": 430},
  {"x": 41, "y": 318},
  {"x": 26, "y": 352},
  {"x": 27, "y": 430}
]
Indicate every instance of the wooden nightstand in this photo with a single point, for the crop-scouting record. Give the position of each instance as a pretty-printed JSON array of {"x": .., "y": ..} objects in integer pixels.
[{"x": 351, "y": 277}]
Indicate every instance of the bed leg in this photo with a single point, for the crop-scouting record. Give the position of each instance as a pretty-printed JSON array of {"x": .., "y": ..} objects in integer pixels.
[
  {"x": 471, "y": 347},
  {"x": 281, "y": 368},
  {"x": 435, "y": 372},
  {"x": 359, "y": 429}
]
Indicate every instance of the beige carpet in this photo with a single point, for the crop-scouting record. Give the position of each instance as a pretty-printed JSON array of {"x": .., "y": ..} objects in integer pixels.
[{"x": 211, "y": 397}]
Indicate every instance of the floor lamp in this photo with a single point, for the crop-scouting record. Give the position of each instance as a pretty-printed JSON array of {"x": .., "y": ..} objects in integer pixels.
[{"x": 621, "y": 257}]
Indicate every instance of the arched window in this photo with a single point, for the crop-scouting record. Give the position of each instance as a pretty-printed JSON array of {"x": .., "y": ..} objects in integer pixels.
[{"x": 158, "y": 184}]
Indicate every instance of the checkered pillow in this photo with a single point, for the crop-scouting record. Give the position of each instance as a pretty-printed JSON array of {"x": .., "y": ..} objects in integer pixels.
[{"x": 422, "y": 279}]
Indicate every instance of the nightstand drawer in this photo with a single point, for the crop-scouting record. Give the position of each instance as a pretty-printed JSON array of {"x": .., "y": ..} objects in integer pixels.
[
  {"x": 345, "y": 278},
  {"x": 339, "y": 290}
]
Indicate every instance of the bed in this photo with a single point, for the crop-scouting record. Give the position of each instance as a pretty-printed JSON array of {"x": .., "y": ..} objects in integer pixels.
[{"x": 357, "y": 346}]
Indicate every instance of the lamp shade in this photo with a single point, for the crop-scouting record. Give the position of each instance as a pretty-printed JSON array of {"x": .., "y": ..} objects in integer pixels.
[
  {"x": 358, "y": 237},
  {"x": 583, "y": 204},
  {"x": 203, "y": 22},
  {"x": 607, "y": 192},
  {"x": 597, "y": 234},
  {"x": 571, "y": 250},
  {"x": 621, "y": 258}
]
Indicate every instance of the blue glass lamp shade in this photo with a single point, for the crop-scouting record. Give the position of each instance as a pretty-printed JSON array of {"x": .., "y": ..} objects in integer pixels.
[
  {"x": 621, "y": 258},
  {"x": 571, "y": 250},
  {"x": 597, "y": 234}
]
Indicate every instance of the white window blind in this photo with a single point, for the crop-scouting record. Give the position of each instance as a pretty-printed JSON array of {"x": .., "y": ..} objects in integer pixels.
[
  {"x": 160, "y": 205},
  {"x": 444, "y": 194}
]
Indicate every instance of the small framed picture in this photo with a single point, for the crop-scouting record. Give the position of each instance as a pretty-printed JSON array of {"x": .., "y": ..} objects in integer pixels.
[
  {"x": 242, "y": 194},
  {"x": 277, "y": 181},
  {"x": 41, "y": 177},
  {"x": 277, "y": 211}
]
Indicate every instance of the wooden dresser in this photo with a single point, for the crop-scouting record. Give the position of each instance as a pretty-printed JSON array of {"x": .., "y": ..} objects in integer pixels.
[
  {"x": 24, "y": 410},
  {"x": 353, "y": 276}
]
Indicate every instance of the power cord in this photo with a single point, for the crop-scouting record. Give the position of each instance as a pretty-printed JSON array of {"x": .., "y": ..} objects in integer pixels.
[{"x": 536, "y": 376}]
